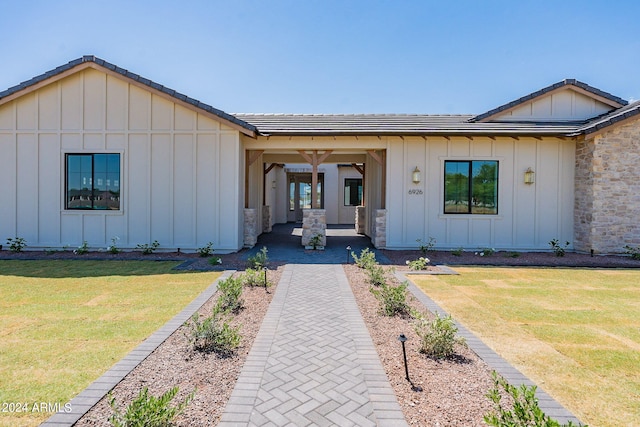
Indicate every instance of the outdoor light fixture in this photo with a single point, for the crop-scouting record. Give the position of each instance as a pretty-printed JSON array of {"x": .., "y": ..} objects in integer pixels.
[
  {"x": 265, "y": 278},
  {"x": 415, "y": 176},
  {"x": 402, "y": 338},
  {"x": 529, "y": 176},
  {"x": 348, "y": 253}
]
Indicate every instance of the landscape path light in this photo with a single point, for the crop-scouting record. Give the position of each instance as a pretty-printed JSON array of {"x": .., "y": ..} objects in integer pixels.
[{"x": 348, "y": 253}]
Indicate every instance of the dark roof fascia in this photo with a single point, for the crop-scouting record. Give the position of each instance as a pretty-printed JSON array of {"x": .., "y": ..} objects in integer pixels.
[
  {"x": 609, "y": 119},
  {"x": 566, "y": 82},
  {"x": 249, "y": 129}
]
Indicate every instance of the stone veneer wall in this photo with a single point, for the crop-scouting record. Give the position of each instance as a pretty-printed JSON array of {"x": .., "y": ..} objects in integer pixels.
[
  {"x": 379, "y": 238},
  {"x": 314, "y": 222},
  {"x": 266, "y": 219},
  {"x": 250, "y": 227},
  {"x": 360, "y": 224},
  {"x": 607, "y": 190}
]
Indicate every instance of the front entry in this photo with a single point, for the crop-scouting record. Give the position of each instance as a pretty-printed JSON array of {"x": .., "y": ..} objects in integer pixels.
[{"x": 300, "y": 194}]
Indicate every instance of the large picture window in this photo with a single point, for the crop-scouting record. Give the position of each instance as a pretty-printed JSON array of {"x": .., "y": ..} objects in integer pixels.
[
  {"x": 353, "y": 191},
  {"x": 93, "y": 181},
  {"x": 471, "y": 187}
]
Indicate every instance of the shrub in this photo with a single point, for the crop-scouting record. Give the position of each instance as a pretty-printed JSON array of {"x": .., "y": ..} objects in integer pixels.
[
  {"x": 16, "y": 244},
  {"x": 421, "y": 263},
  {"x": 634, "y": 252},
  {"x": 525, "y": 411},
  {"x": 438, "y": 336},
  {"x": 206, "y": 250},
  {"x": 393, "y": 299},
  {"x": 512, "y": 254},
  {"x": 82, "y": 249},
  {"x": 230, "y": 298},
  {"x": 253, "y": 277},
  {"x": 366, "y": 258},
  {"x": 558, "y": 249},
  {"x": 148, "y": 410},
  {"x": 457, "y": 252},
  {"x": 114, "y": 248},
  {"x": 259, "y": 260},
  {"x": 377, "y": 275},
  {"x": 213, "y": 333},
  {"x": 426, "y": 247},
  {"x": 215, "y": 260},
  {"x": 148, "y": 249},
  {"x": 486, "y": 252}
]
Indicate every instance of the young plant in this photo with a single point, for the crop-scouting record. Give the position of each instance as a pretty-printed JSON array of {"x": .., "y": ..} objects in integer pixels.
[
  {"x": 259, "y": 260},
  {"x": 486, "y": 252},
  {"x": 215, "y": 260},
  {"x": 315, "y": 241},
  {"x": 438, "y": 336},
  {"x": 421, "y": 263},
  {"x": 230, "y": 298},
  {"x": 525, "y": 411},
  {"x": 82, "y": 249},
  {"x": 393, "y": 299},
  {"x": 512, "y": 254},
  {"x": 148, "y": 410},
  {"x": 557, "y": 248},
  {"x": 148, "y": 249},
  {"x": 114, "y": 248},
  {"x": 426, "y": 247},
  {"x": 213, "y": 333},
  {"x": 377, "y": 275},
  {"x": 634, "y": 252},
  {"x": 206, "y": 251},
  {"x": 366, "y": 258},
  {"x": 252, "y": 277},
  {"x": 16, "y": 244},
  {"x": 457, "y": 252}
]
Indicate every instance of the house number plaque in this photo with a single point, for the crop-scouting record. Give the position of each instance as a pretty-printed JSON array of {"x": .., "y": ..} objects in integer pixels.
[{"x": 415, "y": 191}]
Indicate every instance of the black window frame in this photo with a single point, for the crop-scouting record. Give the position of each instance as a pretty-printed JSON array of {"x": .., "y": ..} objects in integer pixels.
[
  {"x": 359, "y": 192},
  {"x": 470, "y": 189},
  {"x": 92, "y": 195}
]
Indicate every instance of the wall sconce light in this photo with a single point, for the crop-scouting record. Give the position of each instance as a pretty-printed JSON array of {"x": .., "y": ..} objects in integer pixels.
[
  {"x": 529, "y": 176},
  {"x": 415, "y": 176}
]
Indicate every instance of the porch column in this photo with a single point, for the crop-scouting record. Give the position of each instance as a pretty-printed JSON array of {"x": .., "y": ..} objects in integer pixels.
[{"x": 314, "y": 161}]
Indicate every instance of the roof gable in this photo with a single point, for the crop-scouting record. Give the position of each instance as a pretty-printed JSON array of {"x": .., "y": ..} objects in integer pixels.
[
  {"x": 568, "y": 100},
  {"x": 90, "y": 61}
]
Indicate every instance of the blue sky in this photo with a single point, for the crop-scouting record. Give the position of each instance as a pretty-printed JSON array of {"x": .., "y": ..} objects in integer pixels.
[{"x": 327, "y": 56}]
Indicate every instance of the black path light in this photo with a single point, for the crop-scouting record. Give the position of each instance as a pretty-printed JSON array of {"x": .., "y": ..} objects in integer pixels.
[
  {"x": 348, "y": 253},
  {"x": 402, "y": 338},
  {"x": 265, "y": 277}
]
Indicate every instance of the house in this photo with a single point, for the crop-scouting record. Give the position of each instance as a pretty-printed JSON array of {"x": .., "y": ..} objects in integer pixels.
[{"x": 90, "y": 151}]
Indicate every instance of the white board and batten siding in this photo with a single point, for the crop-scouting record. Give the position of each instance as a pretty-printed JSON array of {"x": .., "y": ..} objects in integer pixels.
[
  {"x": 180, "y": 181},
  {"x": 529, "y": 215}
]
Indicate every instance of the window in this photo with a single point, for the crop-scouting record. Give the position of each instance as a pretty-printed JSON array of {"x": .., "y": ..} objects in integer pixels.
[
  {"x": 93, "y": 181},
  {"x": 471, "y": 187},
  {"x": 353, "y": 191}
]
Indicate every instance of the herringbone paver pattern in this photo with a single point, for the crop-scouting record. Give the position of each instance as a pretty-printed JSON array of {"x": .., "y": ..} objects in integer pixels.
[{"x": 313, "y": 361}]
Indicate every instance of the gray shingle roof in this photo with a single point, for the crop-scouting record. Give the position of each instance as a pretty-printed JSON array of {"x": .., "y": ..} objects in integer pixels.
[
  {"x": 566, "y": 82},
  {"x": 609, "y": 119},
  {"x": 90, "y": 58},
  {"x": 396, "y": 124}
]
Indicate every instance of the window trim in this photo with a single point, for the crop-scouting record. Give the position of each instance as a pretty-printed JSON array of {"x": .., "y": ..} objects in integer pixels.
[
  {"x": 65, "y": 182},
  {"x": 470, "y": 161},
  {"x": 344, "y": 188}
]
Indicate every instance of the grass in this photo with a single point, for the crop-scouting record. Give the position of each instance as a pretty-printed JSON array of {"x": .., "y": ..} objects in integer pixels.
[
  {"x": 64, "y": 323},
  {"x": 575, "y": 332}
]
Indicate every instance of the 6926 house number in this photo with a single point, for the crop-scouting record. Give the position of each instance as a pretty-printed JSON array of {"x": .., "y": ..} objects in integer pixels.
[{"x": 416, "y": 191}]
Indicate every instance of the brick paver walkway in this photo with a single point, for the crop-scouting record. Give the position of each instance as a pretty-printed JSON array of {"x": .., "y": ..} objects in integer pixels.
[{"x": 313, "y": 361}]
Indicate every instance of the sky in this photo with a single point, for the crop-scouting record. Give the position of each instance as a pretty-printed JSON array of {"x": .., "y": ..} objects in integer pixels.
[{"x": 335, "y": 56}]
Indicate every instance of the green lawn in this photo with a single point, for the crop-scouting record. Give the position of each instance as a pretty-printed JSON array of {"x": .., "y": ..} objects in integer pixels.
[
  {"x": 576, "y": 332},
  {"x": 64, "y": 323}
]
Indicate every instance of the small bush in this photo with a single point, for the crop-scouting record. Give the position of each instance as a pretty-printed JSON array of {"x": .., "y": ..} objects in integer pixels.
[
  {"x": 486, "y": 252},
  {"x": 558, "y": 249},
  {"x": 16, "y": 244},
  {"x": 426, "y": 247},
  {"x": 512, "y": 254},
  {"x": 438, "y": 336},
  {"x": 377, "y": 275},
  {"x": 230, "y": 295},
  {"x": 82, "y": 249},
  {"x": 215, "y": 260},
  {"x": 253, "y": 277},
  {"x": 213, "y": 333},
  {"x": 259, "y": 260},
  {"x": 421, "y": 263},
  {"x": 525, "y": 411},
  {"x": 634, "y": 252},
  {"x": 148, "y": 249},
  {"x": 113, "y": 249},
  {"x": 206, "y": 250},
  {"x": 148, "y": 410},
  {"x": 457, "y": 252},
  {"x": 393, "y": 299},
  {"x": 366, "y": 259}
]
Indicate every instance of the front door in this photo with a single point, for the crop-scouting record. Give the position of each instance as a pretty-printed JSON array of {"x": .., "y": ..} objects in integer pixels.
[{"x": 300, "y": 194}]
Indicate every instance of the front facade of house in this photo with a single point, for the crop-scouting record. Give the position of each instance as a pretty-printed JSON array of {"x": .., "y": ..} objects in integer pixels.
[{"x": 91, "y": 152}]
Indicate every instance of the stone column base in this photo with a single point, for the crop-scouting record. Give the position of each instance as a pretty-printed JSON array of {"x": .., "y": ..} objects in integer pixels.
[
  {"x": 250, "y": 227},
  {"x": 314, "y": 223},
  {"x": 379, "y": 238},
  {"x": 361, "y": 217},
  {"x": 266, "y": 219}
]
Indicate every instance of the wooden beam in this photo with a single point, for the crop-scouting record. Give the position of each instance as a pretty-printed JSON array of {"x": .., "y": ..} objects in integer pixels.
[
  {"x": 306, "y": 156},
  {"x": 375, "y": 156},
  {"x": 358, "y": 168},
  {"x": 271, "y": 166},
  {"x": 324, "y": 156},
  {"x": 383, "y": 185},
  {"x": 253, "y": 156}
]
